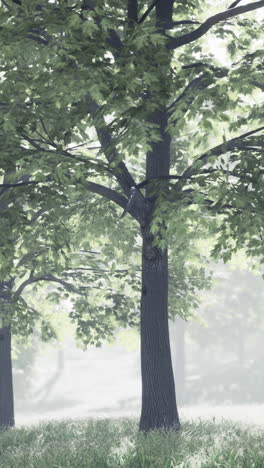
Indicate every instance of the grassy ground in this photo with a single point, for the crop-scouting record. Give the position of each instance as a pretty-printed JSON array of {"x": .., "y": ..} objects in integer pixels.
[{"x": 113, "y": 443}]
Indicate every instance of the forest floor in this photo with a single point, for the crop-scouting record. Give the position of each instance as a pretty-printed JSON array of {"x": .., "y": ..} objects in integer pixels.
[{"x": 117, "y": 443}]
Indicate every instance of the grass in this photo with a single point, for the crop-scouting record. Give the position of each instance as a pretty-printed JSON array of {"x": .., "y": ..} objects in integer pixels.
[{"x": 113, "y": 443}]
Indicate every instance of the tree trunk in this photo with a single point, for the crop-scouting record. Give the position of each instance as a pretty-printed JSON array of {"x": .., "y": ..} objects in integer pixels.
[
  {"x": 159, "y": 408},
  {"x": 6, "y": 382}
]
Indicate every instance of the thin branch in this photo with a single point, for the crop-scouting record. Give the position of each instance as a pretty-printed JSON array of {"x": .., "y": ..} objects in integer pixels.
[
  {"x": 84, "y": 144},
  {"x": 259, "y": 85},
  {"x": 197, "y": 64},
  {"x": 6, "y": 5},
  {"x": 196, "y": 83},
  {"x": 88, "y": 251},
  {"x": 258, "y": 149},
  {"x": 200, "y": 83},
  {"x": 176, "y": 23},
  {"x": 66, "y": 153},
  {"x": 44, "y": 127},
  {"x": 147, "y": 12},
  {"x": 234, "y": 4},
  {"x": 37, "y": 215},
  {"x": 220, "y": 149},
  {"x": 38, "y": 39},
  {"x": 179, "y": 41},
  {"x": 19, "y": 184},
  {"x": 97, "y": 270},
  {"x": 52, "y": 278}
]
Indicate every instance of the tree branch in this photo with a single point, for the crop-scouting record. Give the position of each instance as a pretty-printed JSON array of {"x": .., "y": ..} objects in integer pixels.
[
  {"x": 200, "y": 83},
  {"x": 259, "y": 85},
  {"x": 218, "y": 150},
  {"x": 196, "y": 83},
  {"x": 197, "y": 64},
  {"x": 116, "y": 197},
  {"x": 176, "y": 23},
  {"x": 52, "y": 278},
  {"x": 148, "y": 11},
  {"x": 176, "y": 42},
  {"x": 234, "y": 4},
  {"x": 121, "y": 172},
  {"x": 35, "y": 144},
  {"x": 19, "y": 184},
  {"x": 6, "y": 5}
]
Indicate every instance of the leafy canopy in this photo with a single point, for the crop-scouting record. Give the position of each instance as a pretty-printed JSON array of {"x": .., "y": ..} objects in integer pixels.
[{"x": 79, "y": 81}]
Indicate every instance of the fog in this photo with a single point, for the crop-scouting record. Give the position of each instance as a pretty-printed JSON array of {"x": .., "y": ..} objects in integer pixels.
[{"x": 217, "y": 361}]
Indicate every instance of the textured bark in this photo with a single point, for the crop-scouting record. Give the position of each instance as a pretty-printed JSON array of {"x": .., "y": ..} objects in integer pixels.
[
  {"x": 159, "y": 408},
  {"x": 6, "y": 381},
  {"x": 164, "y": 14}
]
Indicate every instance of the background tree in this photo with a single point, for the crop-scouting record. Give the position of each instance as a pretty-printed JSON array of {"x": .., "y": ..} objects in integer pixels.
[
  {"x": 44, "y": 242},
  {"x": 133, "y": 79}
]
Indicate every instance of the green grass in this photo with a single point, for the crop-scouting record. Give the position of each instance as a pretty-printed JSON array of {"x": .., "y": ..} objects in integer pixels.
[{"x": 113, "y": 443}]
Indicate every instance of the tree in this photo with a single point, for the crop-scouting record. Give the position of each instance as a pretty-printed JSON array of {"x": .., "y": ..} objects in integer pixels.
[
  {"x": 52, "y": 248},
  {"x": 41, "y": 245},
  {"x": 133, "y": 80}
]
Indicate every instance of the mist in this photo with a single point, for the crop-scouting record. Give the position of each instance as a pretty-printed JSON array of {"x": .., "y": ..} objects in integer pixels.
[{"x": 217, "y": 362}]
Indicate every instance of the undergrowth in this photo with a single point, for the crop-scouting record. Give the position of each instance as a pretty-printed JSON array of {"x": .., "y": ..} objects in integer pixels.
[{"x": 113, "y": 443}]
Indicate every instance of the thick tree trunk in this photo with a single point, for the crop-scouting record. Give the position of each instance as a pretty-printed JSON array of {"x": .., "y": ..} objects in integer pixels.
[
  {"x": 159, "y": 408},
  {"x": 6, "y": 382}
]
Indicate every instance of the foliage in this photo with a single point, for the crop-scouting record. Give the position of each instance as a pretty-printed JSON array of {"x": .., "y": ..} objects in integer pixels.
[
  {"x": 80, "y": 83},
  {"x": 115, "y": 443},
  {"x": 52, "y": 251}
]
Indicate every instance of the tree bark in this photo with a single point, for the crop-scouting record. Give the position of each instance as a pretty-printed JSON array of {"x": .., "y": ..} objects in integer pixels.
[
  {"x": 159, "y": 409},
  {"x": 7, "y": 418}
]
